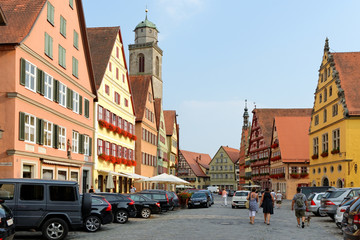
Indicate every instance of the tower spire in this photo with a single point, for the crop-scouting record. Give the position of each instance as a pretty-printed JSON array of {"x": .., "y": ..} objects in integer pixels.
[
  {"x": 246, "y": 116},
  {"x": 326, "y": 47},
  {"x": 146, "y": 11}
]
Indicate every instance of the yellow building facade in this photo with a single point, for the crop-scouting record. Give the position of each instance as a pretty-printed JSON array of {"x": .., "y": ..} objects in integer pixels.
[
  {"x": 335, "y": 122},
  {"x": 114, "y": 145}
]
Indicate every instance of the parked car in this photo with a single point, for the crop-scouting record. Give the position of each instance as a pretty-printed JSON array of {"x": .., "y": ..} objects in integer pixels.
[
  {"x": 210, "y": 195},
  {"x": 160, "y": 196},
  {"x": 7, "y": 227},
  {"x": 351, "y": 231},
  {"x": 239, "y": 199},
  {"x": 340, "y": 212},
  {"x": 51, "y": 206},
  {"x": 144, "y": 205},
  {"x": 314, "y": 203},
  {"x": 213, "y": 189},
  {"x": 122, "y": 206},
  {"x": 174, "y": 200},
  {"x": 198, "y": 199},
  {"x": 100, "y": 214},
  {"x": 333, "y": 197},
  {"x": 309, "y": 190}
]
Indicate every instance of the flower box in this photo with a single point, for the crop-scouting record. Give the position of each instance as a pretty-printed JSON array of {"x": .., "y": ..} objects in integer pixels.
[
  {"x": 335, "y": 151},
  {"x": 275, "y": 145},
  {"x": 324, "y": 154},
  {"x": 315, "y": 156},
  {"x": 304, "y": 175},
  {"x": 276, "y": 158},
  {"x": 104, "y": 157},
  {"x": 113, "y": 159},
  {"x": 103, "y": 123},
  {"x": 295, "y": 175}
]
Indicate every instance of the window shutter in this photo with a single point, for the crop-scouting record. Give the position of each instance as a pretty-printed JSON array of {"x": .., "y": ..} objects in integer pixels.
[
  {"x": 86, "y": 102},
  {"x": 22, "y": 71},
  {"x": 40, "y": 82},
  {"x": 55, "y": 136},
  {"x": 103, "y": 147},
  {"x": 90, "y": 146},
  {"x": 99, "y": 117},
  {"x": 72, "y": 99},
  {"x": 104, "y": 114},
  {"x": 56, "y": 91},
  {"x": 21, "y": 126},
  {"x": 111, "y": 116},
  {"x": 40, "y": 131},
  {"x": 80, "y": 105},
  {"x": 81, "y": 144},
  {"x": 68, "y": 96}
]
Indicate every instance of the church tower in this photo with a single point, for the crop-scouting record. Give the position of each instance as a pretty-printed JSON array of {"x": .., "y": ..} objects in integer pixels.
[
  {"x": 246, "y": 117},
  {"x": 146, "y": 56}
]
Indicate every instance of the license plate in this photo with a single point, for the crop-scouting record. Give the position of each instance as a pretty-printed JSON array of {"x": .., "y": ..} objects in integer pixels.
[
  {"x": 10, "y": 222},
  {"x": 196, "y": 203}
]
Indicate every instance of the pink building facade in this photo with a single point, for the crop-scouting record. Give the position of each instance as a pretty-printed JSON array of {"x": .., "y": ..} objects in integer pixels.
[{"x": 47, "y": 92}]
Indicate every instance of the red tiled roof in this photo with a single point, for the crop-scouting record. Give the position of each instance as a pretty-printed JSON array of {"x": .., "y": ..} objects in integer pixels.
[
  {"x": 293, "y": 135},
  {"x": 170, "y": 118},
  {"x": 232, "y": 153},
  {"x": 348, "y": 66},
  {"x": 265, "y": 117},
  {"x": 20, "y": 17},
  {"x": 157, "y": 112},
  {"x": 139, "y": 87},
  {"x": 195, "y": 159},
  {"x": 101, "y": 41}
]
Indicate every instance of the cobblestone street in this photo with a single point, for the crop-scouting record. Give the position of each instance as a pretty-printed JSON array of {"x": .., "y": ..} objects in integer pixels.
[{"x": 216, "y": 222}]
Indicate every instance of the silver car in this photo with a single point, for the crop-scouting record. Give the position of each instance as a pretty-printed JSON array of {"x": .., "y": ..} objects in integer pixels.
[
  {"x": 239, "y": 199},
  {"x": 334, "y": 197},
  {"x": 314, "y": 202}
]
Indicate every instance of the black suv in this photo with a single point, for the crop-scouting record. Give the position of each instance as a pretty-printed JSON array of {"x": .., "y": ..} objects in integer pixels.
[
  {"x": 122, "y": 206},
  {"x": 51, "y": 206},
  {"x": 7, "y": 227},
  {"x": 160, "y": 196},
  {"x": 100, "y": 214}
]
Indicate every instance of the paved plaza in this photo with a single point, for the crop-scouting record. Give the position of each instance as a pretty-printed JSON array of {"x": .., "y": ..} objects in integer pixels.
[{"x": 216, "y": 222}]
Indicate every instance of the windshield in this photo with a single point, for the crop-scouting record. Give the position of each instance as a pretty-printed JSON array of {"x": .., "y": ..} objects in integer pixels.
[
  {"x": 241, "y": 194},
  {"x": 198, "y": 195},
  {"x": 311, "y": 197},
  {"x": 335, "y": 194}
]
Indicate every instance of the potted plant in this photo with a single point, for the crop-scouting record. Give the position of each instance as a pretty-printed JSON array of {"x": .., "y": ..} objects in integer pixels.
[
  {"x": 304, "y": 175},
  {"x": 184, "y": 198},
  {"x": 315, "y": 156},
  {"x": 295, "y": 175},
  {"x": 335, "y": 151},
  {"x": 324, "y": 153}
]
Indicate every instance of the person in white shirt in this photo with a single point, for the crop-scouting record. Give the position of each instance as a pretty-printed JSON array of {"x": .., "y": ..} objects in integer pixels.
[
  {"x": 224, "y": 195},
  {"x": 132, "y": 189},
  {"x": 278, "y": 199}
]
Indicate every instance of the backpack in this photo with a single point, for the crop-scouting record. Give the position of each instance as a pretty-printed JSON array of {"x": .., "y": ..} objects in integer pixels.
[{"x": 299, "y": 201}]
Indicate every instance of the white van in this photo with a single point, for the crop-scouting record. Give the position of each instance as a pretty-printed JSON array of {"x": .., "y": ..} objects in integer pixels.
[{"x": 213, "y": 189}]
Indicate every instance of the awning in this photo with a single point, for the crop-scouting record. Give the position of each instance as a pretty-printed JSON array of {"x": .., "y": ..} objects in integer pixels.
[
  {"x": 114, "y": 173},
  {"x": 136, "y": 176},
  {"x": 61, "y": 163}
]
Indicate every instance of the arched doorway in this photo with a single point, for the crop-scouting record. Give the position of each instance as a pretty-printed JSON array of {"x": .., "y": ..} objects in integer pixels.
[
  {"x": 339, "y": 183},
  {"x": 325, "y": 182}
]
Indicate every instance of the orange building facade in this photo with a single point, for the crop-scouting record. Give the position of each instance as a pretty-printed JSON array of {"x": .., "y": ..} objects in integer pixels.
[{"x": 47, "y": 92}]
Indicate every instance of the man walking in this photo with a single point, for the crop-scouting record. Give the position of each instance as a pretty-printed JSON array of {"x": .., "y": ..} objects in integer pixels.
[
  {"x": 224, "y": 195},
  {"x": 300, "y": 203}
]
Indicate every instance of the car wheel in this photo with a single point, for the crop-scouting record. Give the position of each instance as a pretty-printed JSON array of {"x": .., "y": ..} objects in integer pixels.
[
  {"x": 92, "y": 223},
  {"x": 145, "y": 213},
  {"x": 233, "y": 206},
  {"x": 55, "y": 229},
  {"x": 332, "y": 216},
  {"x": 189, "y": 206},
  {"x": 207, "y": 205},
  {"x": 321, "y": 214},
  {"x": 121, "y": 216}
]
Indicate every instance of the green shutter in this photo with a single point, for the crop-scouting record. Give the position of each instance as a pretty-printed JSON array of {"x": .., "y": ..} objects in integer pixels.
[
  {"x": 76, "y": 40},
  {"x": 22, "y": 71},
  {"x": 21, "y": 126},
  {"x": 50, "y": 47},
  {"x": 40, "y": 82},
  {"x": 55, "y": 136},
  {"x": 50, "y": 13},
  {"x": 81, "y": 143},
  {"x": 71, "y": 3},
  {"x": 39, "y": 131},
  {"x": 69, "y": 100},
  {"x": 90, "y": 146},
  {"x": 80, "y": 105},
  {"x": 56, "y": 90},
  {"x": 86, "y": 105}
]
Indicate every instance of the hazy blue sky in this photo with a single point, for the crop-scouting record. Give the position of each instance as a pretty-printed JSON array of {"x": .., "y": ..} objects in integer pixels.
[{"x": 219, "y": 53}]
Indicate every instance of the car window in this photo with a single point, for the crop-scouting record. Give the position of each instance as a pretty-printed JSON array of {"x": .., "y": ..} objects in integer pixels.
[
  {"x": 159, "y": 196},
  {"x": 31, "y": 192},
  {"x": 110, "y": 197},
  {"x": 354, "y": 193},
  {"x": 241, "y": 194},
  {"x": 145, "y": 198},
  {"x": 96, "y": 201},
  {"x": 335, "y": 194},
  {"x": 319, "y": 196},
  {"x": 195, "y": 195},
  {"x": 63, "y": 193},
  {"x": 355, "y": 207},
  {"x": 136, "y": 198},
  {"x": 7, "y": 191}
]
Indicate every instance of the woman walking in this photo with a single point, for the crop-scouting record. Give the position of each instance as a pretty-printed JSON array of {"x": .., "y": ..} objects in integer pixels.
[
  {"x": 267, "y": 203},
  {"x": 253, "y": 205}
]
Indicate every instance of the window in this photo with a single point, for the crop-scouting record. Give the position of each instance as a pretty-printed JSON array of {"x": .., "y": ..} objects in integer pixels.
[
  {"x": 48, "y": 174},
  {"x": 126, "y": 102},
  {"x": 336, "y": 139},
  {"x": 86, "y": 145},
  {"x": 31, "y": 192},
  {"x": 74, "y": 176},
  {"x": 62, "y": 56},
  {"x": 325, "y": 95},
  {"x": 107, "y": 89},
  {"x": 63, "y": 26},
  {"x": 87, "y": 108},
  {"x": 100, "y": 146},
  {"x": 62, "y": 94},
  {"x": 325, "y": 74},
  {"x": 76, "y": 102},
  {"x": 107, "y": 116},
  {"x": 48, "y": 134},
  {"x": 325, "y": 115},
  {"x": 48, "y": 89},
  {"x": 107, "y": 148},
  {"x": 113, "y": 150},
  {"x": 316, "y": 120},
  {"x": 320, "y": 98},
  {"x": 62, "y": 138},
  {"x": 117, "y": 52},
  {"x": 335, "y": 110},
  {"x": 75, "y": 67},
  {"x": 117, "y": 98},
  {"x": 123, "y": 78},
  {"x": 76, "y": 40},
  {"x": 48, "y": 46},
  {"x": 114, "y": 119},
  {"x": 117, "y": 73},
  {"x": 50, "y": 13},
  {"x": 157, "y": 66},
  {"x": 110, "y": 67},
  {"x": 315, "y": 146},
  {"x": 325, "y": 142},
  {"x": 62, "y": 193},
  {"x": 30, "y": 127},
  {"x": 28, "y": 171},
  {"x": 75, "y": 142},
  {"x": 30, "y": 76},
  {"x": 330, "y": 91},
  {"x": 141, "y": 60}
]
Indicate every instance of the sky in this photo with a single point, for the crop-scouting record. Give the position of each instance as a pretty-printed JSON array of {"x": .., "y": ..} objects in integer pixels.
[{"x": 218, "y": 53}]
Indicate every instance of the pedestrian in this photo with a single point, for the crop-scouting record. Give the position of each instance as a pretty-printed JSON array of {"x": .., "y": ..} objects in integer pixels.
[
  {"x": 278, "y": 199},
  {"x": 253, "y": 204},
  {"x": 224, "y": 195},
  {"x": 132, "y": 189},
  {"x": 267, "y": 203},
  {"x": 91, "y": 190},
  {"x": 273, "y": 193},
  {"x": 300, "y": 204}
]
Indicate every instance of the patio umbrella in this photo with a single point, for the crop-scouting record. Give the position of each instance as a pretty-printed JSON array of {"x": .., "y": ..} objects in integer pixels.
[
  {"x": 165, "y": 178},
  {"x": 110, "y": 182}
]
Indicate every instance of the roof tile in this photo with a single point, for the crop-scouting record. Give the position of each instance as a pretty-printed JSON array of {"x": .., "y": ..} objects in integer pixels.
[{"x": 195, "y": 159}]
